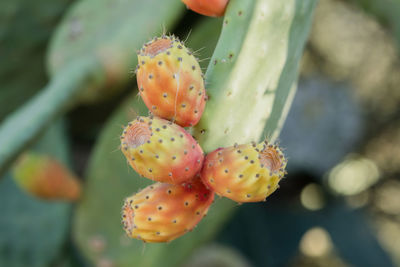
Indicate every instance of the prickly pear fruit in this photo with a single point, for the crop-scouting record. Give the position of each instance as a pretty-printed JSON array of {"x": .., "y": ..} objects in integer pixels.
[
  {"x": 46, "y": 178},
  {"x": 212, "y": 8},
  {"x": 161, "y": 150},
  {"x": 170, "y": 81},
  {"x": 244, "y": 173},
  {"x": 162, "y": 212}
]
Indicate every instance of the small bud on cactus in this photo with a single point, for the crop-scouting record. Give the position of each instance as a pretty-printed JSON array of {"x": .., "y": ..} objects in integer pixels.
[
  {"x": 170, "y": 81},
  {"x": 46, "y": 178},
  {"x": 244, "y": 173},
  {"x": 162, "y": 212},
  {"x": 212, "y": 8},
  {"x": 161, "y": 150}
]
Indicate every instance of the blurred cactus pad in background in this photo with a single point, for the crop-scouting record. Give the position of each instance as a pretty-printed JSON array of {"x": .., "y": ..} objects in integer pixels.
[{"x": 318, "y": 78}]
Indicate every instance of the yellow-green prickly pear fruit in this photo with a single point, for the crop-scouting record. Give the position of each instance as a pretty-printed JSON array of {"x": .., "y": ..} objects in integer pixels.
[{"x": 244, "y": 173}]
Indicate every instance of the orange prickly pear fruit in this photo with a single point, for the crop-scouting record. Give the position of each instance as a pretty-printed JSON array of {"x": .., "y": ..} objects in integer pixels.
[
  {"x": 170, "y": 81},
  {"x": 244, "y": 173},
  {"x": 161, "y": 150},
  {"x": 163, "y": 212},
  {"x": 46, "y": 178},
  {"x": 212, "y": 8}
]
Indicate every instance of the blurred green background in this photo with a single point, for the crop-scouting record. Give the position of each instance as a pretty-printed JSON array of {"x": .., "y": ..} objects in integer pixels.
[{"x": 338, "y": 206}]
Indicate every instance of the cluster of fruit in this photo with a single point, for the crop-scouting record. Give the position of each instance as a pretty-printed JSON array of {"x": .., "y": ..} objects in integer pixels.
[{"x": 171, "y": 84}]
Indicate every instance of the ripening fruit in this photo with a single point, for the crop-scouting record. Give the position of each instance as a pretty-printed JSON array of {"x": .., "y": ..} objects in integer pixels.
[
  {"x": 46, "y": 178},
  {"x": 212, "y": 8},
  {"x": 161, "y": 150},
  {"x": 244, "y": 173},
  {"x": 170, "y": 81},
  {"x": 162, "y": 212}
]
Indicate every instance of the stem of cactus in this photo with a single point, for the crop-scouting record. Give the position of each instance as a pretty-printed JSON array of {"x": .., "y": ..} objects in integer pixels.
[
  {"x": 22, "y": 127},
  {"x": 251, "y": 80}
]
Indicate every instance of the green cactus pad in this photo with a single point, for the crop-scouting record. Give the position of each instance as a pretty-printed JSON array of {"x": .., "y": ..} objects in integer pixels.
[{"x": 252, "y": 79}]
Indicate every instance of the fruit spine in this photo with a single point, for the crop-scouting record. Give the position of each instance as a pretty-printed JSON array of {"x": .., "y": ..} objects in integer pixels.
[
  {"x": 163, "y": 212},
  {"x": 161, "y": 150},
  {"x": 244, "y": 173},
  {"x": 170, "y": 81}
]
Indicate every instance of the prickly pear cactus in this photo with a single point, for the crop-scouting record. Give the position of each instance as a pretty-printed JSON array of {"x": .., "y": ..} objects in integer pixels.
[
  {"x": 250, "y": 78},
  {"x": 244, "y": 173},
  {"x": 33, "y": 232},
  {"x": 163, "y": 212},
  {"x": 161, "y": 150},
  {"x": 170, "y": 81}
]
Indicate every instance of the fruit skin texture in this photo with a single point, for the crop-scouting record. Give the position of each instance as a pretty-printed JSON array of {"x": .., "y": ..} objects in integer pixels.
[
  {"x": 244, "y": 173},
  {"x": 212, "y": 8},
  {"x": 46, "y": 178},
  {"x": 163, "y": 212},
  {"x": 161, "y": 150},
  {"x": 170, "y": 81}
]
